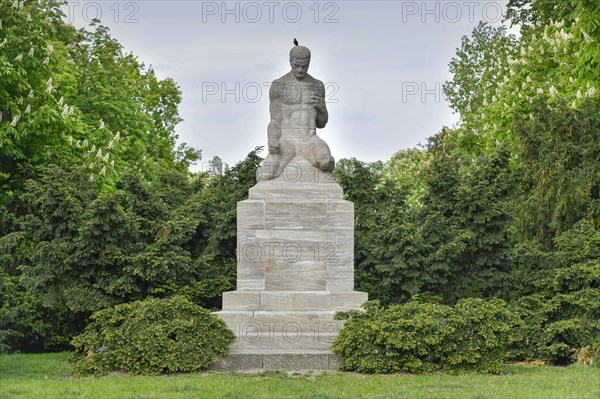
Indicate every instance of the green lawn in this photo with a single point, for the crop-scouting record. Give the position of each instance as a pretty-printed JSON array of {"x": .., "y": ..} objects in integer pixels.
[{"x": 48, "y": 376}]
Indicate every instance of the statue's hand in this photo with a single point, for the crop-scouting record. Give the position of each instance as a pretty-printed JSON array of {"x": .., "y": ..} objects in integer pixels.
[
  {"x": 273, "y": 146},
  {"x": 317, "y": 101}
]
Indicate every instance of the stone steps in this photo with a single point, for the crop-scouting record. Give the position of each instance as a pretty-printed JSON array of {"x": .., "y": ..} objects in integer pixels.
[
  {"x": 277, "y": 321},
  {"x": 290, "y": 340},
  {"x": 281, "y": 360},
  {"x": 293, "y": 300}
]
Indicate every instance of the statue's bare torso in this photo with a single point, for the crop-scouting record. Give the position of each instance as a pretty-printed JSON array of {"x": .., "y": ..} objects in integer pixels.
[{"x": 297, "y": 108}]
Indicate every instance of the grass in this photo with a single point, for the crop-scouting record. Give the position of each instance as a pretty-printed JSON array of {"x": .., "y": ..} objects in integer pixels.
[{"x": 48, "y": 376}]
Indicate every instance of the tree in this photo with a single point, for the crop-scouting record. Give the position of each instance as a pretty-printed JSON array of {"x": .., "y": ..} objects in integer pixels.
[{"x": 559, "y": 150}]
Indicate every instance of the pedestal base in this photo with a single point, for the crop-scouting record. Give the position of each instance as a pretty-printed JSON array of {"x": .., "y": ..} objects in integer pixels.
[
  {"x": 284, "y": 330},
  {"x": 282, "y": 361},
  {"x": 295, "y": 269}
]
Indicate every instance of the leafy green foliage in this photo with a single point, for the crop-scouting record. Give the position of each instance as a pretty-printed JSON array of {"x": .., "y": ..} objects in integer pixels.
[
  {"x": 160, "y": 237},
  {"x": 559, "y": 151},
  {"x": 422, "y": 337},
  {"x": 150, "y": 337},
  {"x": 477, "y": 56},
  {"x": 74, "y": 98},
  {"x": 27, "y": 324},
  {"x": 562, "y": 315},
  {"x": 441, "y": 226}
]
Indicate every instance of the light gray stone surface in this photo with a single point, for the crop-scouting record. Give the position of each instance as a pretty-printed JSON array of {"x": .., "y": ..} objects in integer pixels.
[
  {"x": 295, "y": 253},
  {"x": 318, "y": 360},
  {"x": 302, "y": 243},
  {"x": 293, "y": 300}
]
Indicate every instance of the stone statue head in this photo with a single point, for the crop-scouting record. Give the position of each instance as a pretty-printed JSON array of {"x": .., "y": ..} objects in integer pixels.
[{"x": 299, "y": 61}]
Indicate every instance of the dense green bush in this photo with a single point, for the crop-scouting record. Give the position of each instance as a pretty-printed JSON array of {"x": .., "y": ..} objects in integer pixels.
[
  {"x": 424, "y": 337},
  {"x": 562, "y": 315},
  {"x": 27, "y": 324},
  {"x": 151, "y": 336}
]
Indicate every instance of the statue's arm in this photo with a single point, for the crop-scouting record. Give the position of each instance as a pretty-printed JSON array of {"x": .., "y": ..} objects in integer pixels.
[
  {"x": 274, "y": 128},
  {"x": 322, "y": 114}
]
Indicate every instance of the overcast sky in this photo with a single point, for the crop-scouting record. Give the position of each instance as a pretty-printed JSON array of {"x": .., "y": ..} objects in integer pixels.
[{"x": 383, "y": 64}]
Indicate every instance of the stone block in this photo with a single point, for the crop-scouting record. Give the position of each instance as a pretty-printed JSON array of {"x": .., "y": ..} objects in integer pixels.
[
  {"x": 309, "y": 360},
  {"x": 251, "y": 285},
  {"x": 291, "y": 338},
  {"x": 299, "y": 276},
  {"x": 241, "y": 300},
  {"x": 294, "y": 215},
  {"x": 238, "y": 362},
  {"x": 340, "y": 214},
  {"x": 348, "y": 300},
  {"x": 295, "y": 301},
  {"x": 295, "y": 361},
  {"x": 251, "y": 214},
  {"x": 308, "y": 322}
]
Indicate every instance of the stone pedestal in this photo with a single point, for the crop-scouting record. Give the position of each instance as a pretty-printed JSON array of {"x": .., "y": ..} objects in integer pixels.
[{"x": 295, "y": 270}]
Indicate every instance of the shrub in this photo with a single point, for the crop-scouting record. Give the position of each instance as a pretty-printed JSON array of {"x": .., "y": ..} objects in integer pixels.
[
  {"x": 27, "y": 324},
  {"x": 564, "y": 315},
  {"x": 151, "y": 336},
  {"x": 483, "y": 332},
  {"x": 425, "y": 337}
]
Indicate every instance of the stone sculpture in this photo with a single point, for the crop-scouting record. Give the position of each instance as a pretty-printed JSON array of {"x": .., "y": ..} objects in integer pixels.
[
  {"x": 297, "y": 107},
  {"x": 295, "y": 232}
]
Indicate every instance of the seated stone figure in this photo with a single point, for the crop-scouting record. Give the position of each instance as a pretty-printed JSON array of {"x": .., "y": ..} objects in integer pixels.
[{"x": 297, "y": 107}]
